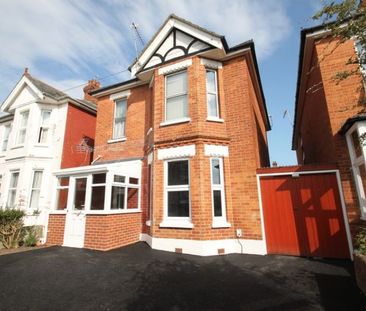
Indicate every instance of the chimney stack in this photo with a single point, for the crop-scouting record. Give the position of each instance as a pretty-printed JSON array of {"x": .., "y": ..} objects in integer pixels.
[{"x": 91, "y": 86}]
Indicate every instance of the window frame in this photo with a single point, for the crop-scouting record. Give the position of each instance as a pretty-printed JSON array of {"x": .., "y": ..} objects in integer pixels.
[
  {"x": 34, "y": 189},
  {"x": 93, "y": 185},
  {"x": 217, "y": 117},
  {"x": 12, "y": 189},
  {"x": 218, "y": 221},
  {"x": 42, "y": 127},
  {"x": 58, "y": 187},
  {"x": 6, "y": 135},
  {"x": 22, "y": 128},
  {"x": 114, "y": 137},
  {"x": 176, "y": 221},
  {"x": 182, "y": 118}
]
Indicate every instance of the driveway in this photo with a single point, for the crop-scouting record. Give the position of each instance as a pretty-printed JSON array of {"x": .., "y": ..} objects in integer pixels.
[{"x": 139, "y": 278}]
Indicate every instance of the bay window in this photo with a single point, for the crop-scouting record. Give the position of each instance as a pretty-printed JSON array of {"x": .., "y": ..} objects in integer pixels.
[
  {"x": 176, "y": 93},
  {"x": 212, "y": 94},
  {"x": 14, "y": 177},
  {"x": 177, "y": 189},
  {"x": 119, "y": 123},
  {"x": 4, "y": 147},
  {"x": 35, "y": 189},
  {"x": 22, "y": 130},
  {"x": 44, "y": 129}
]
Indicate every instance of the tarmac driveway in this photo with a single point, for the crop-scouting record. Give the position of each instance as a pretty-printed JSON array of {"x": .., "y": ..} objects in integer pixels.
[{"x": 138, "y": 278}]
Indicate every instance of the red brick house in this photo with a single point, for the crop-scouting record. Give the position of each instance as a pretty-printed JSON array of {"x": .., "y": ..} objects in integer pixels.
[
  {"x": 330, "y": 116},
  {"x": 176, "y": 152}
]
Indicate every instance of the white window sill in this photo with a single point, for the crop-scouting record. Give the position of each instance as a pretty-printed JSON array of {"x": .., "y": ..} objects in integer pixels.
[
  {"x": 42, "y": 145},
  {"x": 148, "y": 223},
  {"x": 220, "y": 224},
  {"x": 176, "y": 121},
  {"x": 213, "y": 119},
  {"x": 60, "y": 212},
  {"x": 112, "y": 141},
  {"x": 2, "y": 155},
  {"x": 17, "y": 147},
  {"x": 186, "y": 224},
  {"x": 102, "y": 212}
]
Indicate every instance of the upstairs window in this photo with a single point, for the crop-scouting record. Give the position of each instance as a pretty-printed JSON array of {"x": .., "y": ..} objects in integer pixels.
[
  {"x": 119, "y": 124},
  {"x": 12, "y": 189},
  {"x": 44, "y": 127},
  {"x": 36, "y": 189},
  {"x": 212, "y": 98},
  {"x": 4, "y": 147},
  {"x": 22, "y": 127},
  {"x": 176, "y": 96}
]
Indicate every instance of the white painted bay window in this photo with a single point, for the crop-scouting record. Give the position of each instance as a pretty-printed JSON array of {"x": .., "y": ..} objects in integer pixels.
[
  {"x": 119, "y": 123},
  {"x": 44, "y": 129},
  {"x": 212, "y": 94},
  {"x": 6, "y": 135},
  {"x": 35, "y": 189},
  {"x": 22, "y": 129},
  {"x": 218, "y": 193},
  {"x": 176, "y": 97},
  {"x": 14, "y": 177}
]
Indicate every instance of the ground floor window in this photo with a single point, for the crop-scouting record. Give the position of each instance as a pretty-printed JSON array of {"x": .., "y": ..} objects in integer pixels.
[
  {"x": 98, "y": 191},
  {"x": 177, "y": 188},
  {"x": 62, "y": 192},
  {"x": 217, "y": 190},
  {"x": 14, "y": 177},
  {"x": 35, "y": 189}
]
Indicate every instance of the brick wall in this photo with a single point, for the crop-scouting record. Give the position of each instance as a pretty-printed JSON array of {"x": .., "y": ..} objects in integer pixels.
[
  {"x": 56, "y": 229},
  {"x": 327, "y": 105},
  {"x": 79, "y": 123},
  {"x": 105, "y": 232}
]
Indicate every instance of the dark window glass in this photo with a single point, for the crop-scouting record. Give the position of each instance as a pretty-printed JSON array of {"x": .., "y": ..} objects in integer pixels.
[
  {"x": 118, "y": 178},
  {"x": 216, "y": 172},
  {"x": 97, "y": 198},
  {"x": 80, "y": 193},
  {"x": 178, "y": 204},
  {"x": 118, "y": 197},
  {"x": 63, "y": 181},
  {"x": 99, "y": 178},
  {"x": 62, "y": 198},
  {"x": 177, "y": 173},
  {"x": 134, "y": 181},
  {"x": 217, "y": 203}
]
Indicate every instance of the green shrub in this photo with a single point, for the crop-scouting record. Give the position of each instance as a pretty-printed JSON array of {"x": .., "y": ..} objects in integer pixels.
[
  {"x": 11, "y": 224},
  {"x": 32, "y": 235},
  {"x": 361, "y": 241}
]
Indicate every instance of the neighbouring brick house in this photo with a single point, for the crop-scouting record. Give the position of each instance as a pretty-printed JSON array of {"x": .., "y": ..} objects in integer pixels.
[
  {"x": 330, "y": 115},
  {"x": 176, "y": 152},
  {"x": 43, "y": 130}
]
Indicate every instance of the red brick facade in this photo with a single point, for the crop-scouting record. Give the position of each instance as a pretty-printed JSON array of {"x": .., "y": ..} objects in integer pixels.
[
  {"x": 323, "y": 106},
  {"x": 56, "y": 229}
]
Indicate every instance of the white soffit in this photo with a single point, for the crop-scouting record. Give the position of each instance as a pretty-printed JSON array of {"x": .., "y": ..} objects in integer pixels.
[
  {"x": 175, "y": 67},
  {"x": 177, "y": 152},
  {"x": 216, "y": 151}
]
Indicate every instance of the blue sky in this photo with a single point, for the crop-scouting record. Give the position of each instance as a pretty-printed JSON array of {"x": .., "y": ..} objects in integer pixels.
[{"x": 67, "y": 42}]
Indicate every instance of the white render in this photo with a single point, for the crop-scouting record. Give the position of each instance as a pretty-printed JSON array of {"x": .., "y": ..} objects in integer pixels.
[
  {"x": 31, "y": 155},
  {"x": 216, "y": 151},
  {"x": 177, "y": 152}
]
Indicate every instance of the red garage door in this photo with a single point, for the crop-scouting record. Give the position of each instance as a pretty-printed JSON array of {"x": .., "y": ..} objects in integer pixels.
[{"x": 303, "y": 215}]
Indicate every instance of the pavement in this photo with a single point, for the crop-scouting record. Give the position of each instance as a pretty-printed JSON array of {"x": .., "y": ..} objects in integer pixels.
[{"x": 139, "y": 278}]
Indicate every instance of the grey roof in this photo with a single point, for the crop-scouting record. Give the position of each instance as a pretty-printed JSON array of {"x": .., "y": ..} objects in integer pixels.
[{"x": 46, "y": 89}]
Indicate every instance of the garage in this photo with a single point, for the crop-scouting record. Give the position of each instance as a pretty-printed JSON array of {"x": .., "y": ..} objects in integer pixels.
[{"x": 304, "y": 212}]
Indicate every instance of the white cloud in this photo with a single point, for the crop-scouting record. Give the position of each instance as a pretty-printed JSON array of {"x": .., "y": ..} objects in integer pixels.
[{"x": 72, "y": 41}]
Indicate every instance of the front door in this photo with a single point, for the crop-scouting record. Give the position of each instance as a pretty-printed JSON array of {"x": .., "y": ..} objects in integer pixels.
[{"x": 75, "y": 217}]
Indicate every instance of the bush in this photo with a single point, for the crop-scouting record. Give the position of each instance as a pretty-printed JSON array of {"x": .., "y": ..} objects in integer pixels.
[
  {"x": 11, "y": 224},
  {"x": 32, "y": 235},
  {"x": 361, "y": 241}
]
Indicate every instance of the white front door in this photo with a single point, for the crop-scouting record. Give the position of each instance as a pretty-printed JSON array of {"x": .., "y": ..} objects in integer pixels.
[{"x": 75, "y": 217}]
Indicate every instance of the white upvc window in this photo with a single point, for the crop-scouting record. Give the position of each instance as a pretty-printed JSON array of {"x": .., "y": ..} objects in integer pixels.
[
  {"x": 177, "y": 209},
  {"x": 35, "y": 189},
  {"x": 44, "y": 129},
  {"x": 125, "y": 193},
  {"x": 22, "y": 129},
  {"x": 213, "y": 110},
  {"x": 98, "y": 187},
  {"x": 218, "y": 193},
  {"x": 119, "y": 122},
  {"x": 62, "y": 193},
  {"x": 13, "y": 185},
  {"x": 176, "y": 97},
  {"x": 357, "y": 150},
  {"x": 6, "y": 135}
]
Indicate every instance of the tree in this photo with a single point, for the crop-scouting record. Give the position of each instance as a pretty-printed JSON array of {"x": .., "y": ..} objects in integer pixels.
[{"x": 345, "y": 20}]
